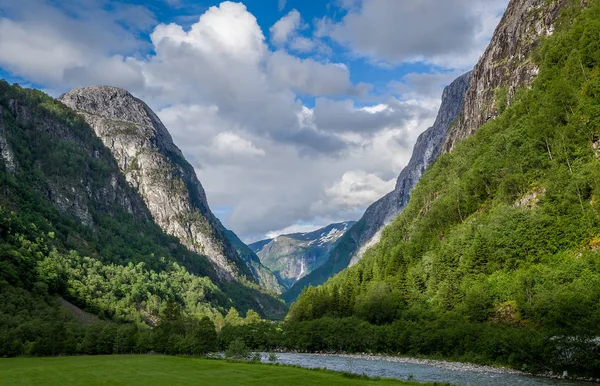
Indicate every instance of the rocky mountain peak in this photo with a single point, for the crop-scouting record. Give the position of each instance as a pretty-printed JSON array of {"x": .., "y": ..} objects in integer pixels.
[{"x": 155, "y": 166}]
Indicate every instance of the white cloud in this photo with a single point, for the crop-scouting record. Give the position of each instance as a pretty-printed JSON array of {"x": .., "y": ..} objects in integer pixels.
[
  {"x": 358, "y": 189},
  {"x": 302, "y": 44},
  {"x": 40, "y": 42},
  {"x": 449, "y": 33},
  {"x": 285, "y": 27},
  {"x": 307, "y": 76},
  {"x": 281, "y": 4},
  {"x": 344, "y": 116},
  {"x": 229, "y": 143},
  {"x": 296, "y": 228}
]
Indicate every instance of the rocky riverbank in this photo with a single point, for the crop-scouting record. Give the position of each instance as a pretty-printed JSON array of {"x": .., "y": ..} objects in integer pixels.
[{"x": 459, "y": 366}]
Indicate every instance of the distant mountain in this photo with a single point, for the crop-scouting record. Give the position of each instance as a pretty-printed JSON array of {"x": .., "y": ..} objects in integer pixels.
[{"x": 293, "y": 256}]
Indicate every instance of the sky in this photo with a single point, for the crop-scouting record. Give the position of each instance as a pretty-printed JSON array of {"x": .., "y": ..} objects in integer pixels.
[{"x": 295, "y": 114}]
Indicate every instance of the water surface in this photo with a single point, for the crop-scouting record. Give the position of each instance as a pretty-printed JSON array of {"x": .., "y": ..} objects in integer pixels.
[{"x": 417, "y": 372}]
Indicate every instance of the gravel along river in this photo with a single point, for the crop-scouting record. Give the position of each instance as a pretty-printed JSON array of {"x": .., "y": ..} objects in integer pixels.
[{"x": 420, "y": 370}]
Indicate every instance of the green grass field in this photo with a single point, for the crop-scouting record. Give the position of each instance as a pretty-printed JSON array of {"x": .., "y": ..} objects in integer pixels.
[{"x": 149, "y": 370}]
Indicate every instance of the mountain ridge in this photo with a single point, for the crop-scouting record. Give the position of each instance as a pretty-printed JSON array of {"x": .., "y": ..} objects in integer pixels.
[
  {"x": 156, "y": 167},
  {"x": 291, "y": 256}
]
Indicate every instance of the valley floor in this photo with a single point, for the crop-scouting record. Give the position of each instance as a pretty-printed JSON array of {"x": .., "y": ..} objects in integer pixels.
[{"x": 163, "y": 370}]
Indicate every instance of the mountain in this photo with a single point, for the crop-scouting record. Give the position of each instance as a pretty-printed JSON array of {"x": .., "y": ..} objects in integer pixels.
[
  {"x": 72, "y": 225},
  {"x": 264, "y": 275},
  {"x": 293, "y": 256},
  {"x": 156, "y": 168},
  {"x": 496, "y": 255},
  {"x": 368, "y": 229}
]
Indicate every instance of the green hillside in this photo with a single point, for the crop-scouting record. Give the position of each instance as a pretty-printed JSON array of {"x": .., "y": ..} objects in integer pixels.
[
  {"x": 71, "y": 226},
  {"x": 497, "y": 255}
]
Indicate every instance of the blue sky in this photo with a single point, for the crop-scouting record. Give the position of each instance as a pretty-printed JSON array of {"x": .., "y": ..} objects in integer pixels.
[{"x": 294, "y": 113}]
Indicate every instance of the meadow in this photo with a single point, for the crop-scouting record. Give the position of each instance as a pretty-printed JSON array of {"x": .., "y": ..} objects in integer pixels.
[{"x": 150, "y": 370}]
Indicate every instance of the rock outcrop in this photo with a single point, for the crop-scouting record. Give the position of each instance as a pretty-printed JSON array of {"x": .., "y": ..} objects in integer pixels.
[
  {"x": 506, "y": 64},
  {"x": 367, "y": 230},
  {"x": 155, "y": 166}
]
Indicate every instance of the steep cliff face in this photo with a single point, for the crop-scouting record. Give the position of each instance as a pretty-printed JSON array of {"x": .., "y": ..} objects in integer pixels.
[
  {"x": 74, "y": 192},
  {"x": 155, "y": 166},
  {"x": 368, "y": 230},
  {"x": 426, "y": 150},
  {"x": 88, "y": 234},
  {"x": 506, "y": 64},
  {"x": 293, "y": 256},
  {"x": 265, "y": 277}
]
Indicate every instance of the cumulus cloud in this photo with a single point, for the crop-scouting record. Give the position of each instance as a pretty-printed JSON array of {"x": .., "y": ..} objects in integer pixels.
[
  {"x": 451, "y": 33},
  {"x": 230, "y": 143},
  {"x": 344, "y": 116},
  {"x": 357, "y": 189},
  {"x": 285, "y": 27},
  {"x": 307, "y": 76},
  {"x": 39, "y": 41},
  {"x": 302, "y": 44}
]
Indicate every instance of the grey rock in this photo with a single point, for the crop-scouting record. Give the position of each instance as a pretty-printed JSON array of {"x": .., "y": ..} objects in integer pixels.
[
  {"x": 156, "y": 168},
  {"x": 75, "y": 196},
  {"x": 505, "y": 63},
  {"x": 6, "y": 152}
]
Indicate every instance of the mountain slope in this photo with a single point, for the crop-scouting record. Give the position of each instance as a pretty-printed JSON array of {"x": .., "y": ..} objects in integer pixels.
[
  {"x": 265, "y": 277},
  {"x": 292, "y": 256},
  {"x": 155, "y": 166},
  {"x": 368, "y": 229},
  {"x": 72, "y": 225},
  {"x": 506, "y": 64},
  {"x": 501, "y": 236},
  {"x": 63, "y": 197}
]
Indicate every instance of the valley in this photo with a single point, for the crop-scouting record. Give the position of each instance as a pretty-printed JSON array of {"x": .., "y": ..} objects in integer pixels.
[{"x": 480, "y": 265}]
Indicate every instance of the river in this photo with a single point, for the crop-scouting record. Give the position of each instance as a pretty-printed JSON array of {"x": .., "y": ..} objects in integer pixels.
[{"x": 418, "y": 370}]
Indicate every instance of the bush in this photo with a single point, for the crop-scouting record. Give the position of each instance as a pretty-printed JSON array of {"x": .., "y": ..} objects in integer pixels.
[{"x": 237, "y": 350}]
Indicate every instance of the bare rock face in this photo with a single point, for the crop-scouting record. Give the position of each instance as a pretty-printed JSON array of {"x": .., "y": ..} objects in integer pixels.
[
  {"x": 155, "y": 166},
  {"x": 506, "y": 63}
]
